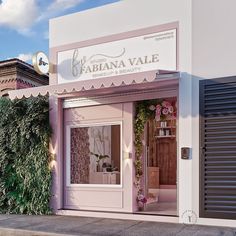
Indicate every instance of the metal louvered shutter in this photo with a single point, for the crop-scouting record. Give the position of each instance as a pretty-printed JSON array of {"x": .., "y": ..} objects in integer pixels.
[{"x": 218, "y": 148}]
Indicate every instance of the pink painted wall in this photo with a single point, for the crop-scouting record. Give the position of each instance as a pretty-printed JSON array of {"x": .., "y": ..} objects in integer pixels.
[
  {"x": 108, "y": 198},
  {"x": 56, "y": 148}
]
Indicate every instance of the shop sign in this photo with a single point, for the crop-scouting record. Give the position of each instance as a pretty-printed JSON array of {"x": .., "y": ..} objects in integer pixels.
[
  {"x": 132, "y": 55},
  {"x": 40, "y": 63}
]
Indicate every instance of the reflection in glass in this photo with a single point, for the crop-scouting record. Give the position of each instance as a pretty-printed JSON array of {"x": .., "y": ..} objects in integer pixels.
[{"x": 95, "y": 155}]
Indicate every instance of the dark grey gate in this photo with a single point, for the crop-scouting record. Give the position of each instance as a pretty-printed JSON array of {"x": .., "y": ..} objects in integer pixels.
[{"x": 218, "y": 148}]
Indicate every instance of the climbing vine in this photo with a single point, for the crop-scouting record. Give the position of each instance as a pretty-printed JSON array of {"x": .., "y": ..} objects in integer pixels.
[{"x": 143, "y": 113}]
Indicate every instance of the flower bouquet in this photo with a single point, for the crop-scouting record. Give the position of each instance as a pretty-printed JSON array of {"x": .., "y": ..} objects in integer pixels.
[
  {"x": 141, "y": 200},
  {"x": 165, "y": 111}
]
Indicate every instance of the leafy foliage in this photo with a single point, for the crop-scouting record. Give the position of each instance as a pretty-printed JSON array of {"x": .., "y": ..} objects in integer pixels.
[
  {"x": 143, "y": 113},
  {"x": 25, "y": 176}
]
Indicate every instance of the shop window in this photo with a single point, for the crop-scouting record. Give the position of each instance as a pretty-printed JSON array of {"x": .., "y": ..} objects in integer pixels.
[{"x": 95, "y": 154}]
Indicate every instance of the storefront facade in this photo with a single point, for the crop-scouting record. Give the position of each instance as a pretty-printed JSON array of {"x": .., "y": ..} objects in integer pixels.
[{"x": 106, "y": 62}]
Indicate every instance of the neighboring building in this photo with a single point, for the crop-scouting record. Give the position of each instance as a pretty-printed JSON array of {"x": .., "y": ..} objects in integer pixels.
[
  {"x": 17, "y": 74},
  {"x": 129, "y": 52}
]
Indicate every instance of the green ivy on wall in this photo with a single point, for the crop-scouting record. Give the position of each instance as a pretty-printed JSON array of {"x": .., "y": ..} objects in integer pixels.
[
  {"x": 143, "y": 113},
  {"x": 25, "y": 175}
]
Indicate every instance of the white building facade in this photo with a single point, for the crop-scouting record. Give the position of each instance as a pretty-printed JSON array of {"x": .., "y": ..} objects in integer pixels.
[
  {"x": 200, "y": 47},
  {"x": 205, "y": 50}
]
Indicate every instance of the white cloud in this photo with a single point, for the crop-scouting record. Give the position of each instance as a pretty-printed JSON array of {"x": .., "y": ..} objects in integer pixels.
[
  {"x": 57, "y": 7},
  {"x": 25, "y": 57},
  {"x": 21, "y": 15},
  {"x": 18, "y": 15}
]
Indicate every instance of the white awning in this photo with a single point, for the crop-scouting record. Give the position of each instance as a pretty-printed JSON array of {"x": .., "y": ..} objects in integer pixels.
[{"x": 119, "y": 83}]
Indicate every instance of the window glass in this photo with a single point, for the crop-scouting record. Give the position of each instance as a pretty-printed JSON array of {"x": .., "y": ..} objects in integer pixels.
[{"x": 95, "y": 155}]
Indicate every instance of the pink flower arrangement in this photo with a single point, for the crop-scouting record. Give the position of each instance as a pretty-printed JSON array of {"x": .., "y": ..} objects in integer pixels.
[
  {"x": 141, "y": 200},
  {"x": 165, "y": 111}
]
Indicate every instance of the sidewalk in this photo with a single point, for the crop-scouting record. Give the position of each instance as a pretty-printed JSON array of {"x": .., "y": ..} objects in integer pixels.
[{"x": 11, "y": 225}]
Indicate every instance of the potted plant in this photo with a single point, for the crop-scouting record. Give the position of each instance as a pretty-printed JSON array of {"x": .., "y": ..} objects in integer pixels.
[
  {"x": 99, "y": 158},
  {"x": 141, "y": 200}
]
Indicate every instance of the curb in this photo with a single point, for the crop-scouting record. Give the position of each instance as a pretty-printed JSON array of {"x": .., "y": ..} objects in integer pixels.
[{"x": 22, "y": 232}]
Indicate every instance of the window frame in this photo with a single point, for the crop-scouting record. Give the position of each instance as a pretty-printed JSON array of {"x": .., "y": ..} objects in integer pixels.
[{"x": 68, "y": 155}]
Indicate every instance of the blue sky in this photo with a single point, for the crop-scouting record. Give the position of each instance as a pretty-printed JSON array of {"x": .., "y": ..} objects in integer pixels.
[{"x": 24, "y": 24}]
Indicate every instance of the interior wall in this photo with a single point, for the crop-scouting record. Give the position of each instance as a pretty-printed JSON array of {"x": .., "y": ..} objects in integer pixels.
[
  {"x": 162, "y": 151},
  {"x": 167, "y": 161}
]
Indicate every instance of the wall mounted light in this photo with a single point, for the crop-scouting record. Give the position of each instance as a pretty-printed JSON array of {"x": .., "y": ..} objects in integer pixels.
[{"x": 127, "y": 155}]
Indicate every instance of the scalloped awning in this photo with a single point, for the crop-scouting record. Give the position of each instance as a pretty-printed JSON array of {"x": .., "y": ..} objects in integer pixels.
[{"x": 126, "y": 81}]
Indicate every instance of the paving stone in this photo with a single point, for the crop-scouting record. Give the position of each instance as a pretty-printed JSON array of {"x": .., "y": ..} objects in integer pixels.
[
  {"x": 153, "y": 229},
  {"x": 22, "y": 221},
  {"x": 5, "y": 217},
  {"x": 107, "y": 227},
  {"x": 21, "y": 225},
  {"x": 67, "y": 225},
  {"x": 197, "y": 230}
]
